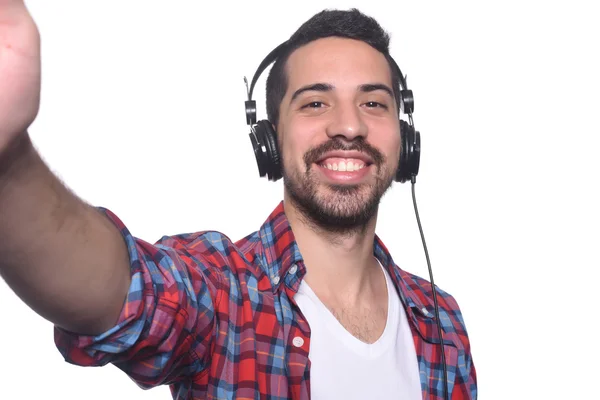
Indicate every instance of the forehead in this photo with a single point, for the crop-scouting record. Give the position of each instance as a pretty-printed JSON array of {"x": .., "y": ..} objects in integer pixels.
[{"x": 345, "y": 63}]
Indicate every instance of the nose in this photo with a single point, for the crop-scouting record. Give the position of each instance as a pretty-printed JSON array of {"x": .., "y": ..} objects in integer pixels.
[{"x": 347, "y": 122}]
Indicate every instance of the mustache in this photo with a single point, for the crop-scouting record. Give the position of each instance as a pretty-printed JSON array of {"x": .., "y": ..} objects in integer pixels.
[{"x": 359, "y": 144}]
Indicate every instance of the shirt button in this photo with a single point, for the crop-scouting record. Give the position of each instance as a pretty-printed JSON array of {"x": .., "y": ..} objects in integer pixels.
[
  {"x": 276, "y": 280},
  {"x": 293, "y": 269},
  {"x": 298, "y": 341}
]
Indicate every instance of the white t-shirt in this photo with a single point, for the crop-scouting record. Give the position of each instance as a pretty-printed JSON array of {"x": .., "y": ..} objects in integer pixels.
[{"x": 343, "y": 367}]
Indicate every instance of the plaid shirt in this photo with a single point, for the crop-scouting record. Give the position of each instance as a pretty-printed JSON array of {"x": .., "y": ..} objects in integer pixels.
[{"x": 216, "y": 319}]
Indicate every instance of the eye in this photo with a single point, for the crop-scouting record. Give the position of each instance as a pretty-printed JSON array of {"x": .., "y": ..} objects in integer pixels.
[
  {"x": 374, "y": 104},
  {"x": 313, "y": 104}
]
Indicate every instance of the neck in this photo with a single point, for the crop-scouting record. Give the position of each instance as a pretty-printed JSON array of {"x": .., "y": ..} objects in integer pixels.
[{"x": 337, "y": 263}]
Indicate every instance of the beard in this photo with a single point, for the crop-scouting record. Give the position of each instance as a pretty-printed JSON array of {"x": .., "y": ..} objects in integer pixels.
[{"x": 340, "y": 209}]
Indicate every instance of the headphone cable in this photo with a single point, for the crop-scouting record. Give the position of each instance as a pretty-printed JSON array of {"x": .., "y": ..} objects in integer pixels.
[{"x": 435, "y": 303}]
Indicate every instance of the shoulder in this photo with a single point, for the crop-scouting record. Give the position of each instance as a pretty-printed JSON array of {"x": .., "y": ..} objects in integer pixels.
[
  {"x": 451, "y": 316},
  {"x": 214, "y": 248},
  {"x": 423, "y": 290},
  {"x": 454, "y": 328}
]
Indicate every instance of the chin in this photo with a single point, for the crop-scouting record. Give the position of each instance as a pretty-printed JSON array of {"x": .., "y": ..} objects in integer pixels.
[
  {"x": 344, "y": 206},
  {"x": 336, "y": 208}
]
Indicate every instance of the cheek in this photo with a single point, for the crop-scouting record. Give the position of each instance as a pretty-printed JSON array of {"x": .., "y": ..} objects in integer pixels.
[
  {"x": 294, "y": 144},
  {"x": 395, "y": 145},
  {"x": 389, "y": 143},
  {"x": 291, "y": 152}
]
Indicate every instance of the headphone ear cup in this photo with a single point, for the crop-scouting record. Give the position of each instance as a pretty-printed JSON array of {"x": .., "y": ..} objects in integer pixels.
[
  {"x": 410, "y": 154},
  {"x": 264, "y": 142},
  {"x": 274, "y": 172},
  {"x": 260, "y": 150}
]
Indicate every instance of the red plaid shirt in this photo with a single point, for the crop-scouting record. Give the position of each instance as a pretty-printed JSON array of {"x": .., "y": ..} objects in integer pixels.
[{"x": 217, "y": 319}]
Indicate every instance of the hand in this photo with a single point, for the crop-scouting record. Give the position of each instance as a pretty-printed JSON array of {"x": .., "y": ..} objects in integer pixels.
[{"x": 20, "y": 71}]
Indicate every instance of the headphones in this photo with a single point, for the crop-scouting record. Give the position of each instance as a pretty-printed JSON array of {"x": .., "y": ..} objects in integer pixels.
[{"x": 264, "y": 138}]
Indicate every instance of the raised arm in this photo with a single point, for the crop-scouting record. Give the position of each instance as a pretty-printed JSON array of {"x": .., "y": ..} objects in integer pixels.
[{"x": 61, "y": 256}]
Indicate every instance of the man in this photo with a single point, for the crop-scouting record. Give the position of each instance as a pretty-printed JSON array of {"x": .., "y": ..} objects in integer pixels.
[{"x": 309, "y": 306}]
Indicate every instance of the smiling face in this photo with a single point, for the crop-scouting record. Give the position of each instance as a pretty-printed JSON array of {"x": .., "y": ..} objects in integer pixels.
[{"x": 338, "y": 132}]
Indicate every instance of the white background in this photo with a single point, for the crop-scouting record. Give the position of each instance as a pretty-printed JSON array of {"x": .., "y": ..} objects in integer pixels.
[{"x": 142, "y": 112}]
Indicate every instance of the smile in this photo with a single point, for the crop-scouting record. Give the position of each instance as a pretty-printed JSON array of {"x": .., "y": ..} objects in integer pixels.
[
  {"x": 344, "y": 171},
  {"x": 341, "y": 164}
]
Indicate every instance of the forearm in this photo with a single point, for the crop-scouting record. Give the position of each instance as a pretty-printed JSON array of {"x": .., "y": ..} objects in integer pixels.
[{"x": 60, "y": 256}]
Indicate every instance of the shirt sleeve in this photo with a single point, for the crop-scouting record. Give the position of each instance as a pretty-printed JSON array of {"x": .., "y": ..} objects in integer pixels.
[
  {"x": 166, "y": 326},
  {"x": 466, "y": 388},
  {"x": 466, "y": 380}
]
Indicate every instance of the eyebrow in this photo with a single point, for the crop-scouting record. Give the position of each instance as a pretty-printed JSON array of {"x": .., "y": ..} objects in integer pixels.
[
  {"x": 371, "y": 87},
  {"x": 326, "y": 87},
  {"x": 317, "y": 87}
]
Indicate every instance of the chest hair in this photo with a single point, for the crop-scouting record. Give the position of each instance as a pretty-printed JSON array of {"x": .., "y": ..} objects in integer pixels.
[{"x": 366, "y": 323}]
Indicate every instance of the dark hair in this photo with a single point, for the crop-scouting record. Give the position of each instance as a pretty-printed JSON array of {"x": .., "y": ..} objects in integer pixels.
[{"x": 350, "y": 24}]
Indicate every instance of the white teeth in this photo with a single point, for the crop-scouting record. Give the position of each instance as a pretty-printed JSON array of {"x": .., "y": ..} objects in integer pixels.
[{"x": 345, "y": 166}]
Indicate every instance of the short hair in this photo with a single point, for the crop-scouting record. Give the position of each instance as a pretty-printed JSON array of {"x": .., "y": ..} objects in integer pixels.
[{"x": 351, "y": 24}]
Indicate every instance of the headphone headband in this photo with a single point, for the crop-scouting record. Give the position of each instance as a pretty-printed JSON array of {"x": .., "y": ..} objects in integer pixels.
[{"x": 406, "y": 102}]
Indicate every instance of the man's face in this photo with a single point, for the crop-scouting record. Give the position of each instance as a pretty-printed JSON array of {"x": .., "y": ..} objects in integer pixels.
[{"x": 339, "y": 132}]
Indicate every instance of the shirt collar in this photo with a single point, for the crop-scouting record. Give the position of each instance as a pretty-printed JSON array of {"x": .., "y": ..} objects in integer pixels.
[
  {"x": 408, "y": 290},
  {"x": 280, "y": 249},
  {"x": 281, "y": 254}
]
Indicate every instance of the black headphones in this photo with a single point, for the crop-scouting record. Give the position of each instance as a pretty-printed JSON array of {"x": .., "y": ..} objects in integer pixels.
[{"x": 264, "y": 137}]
